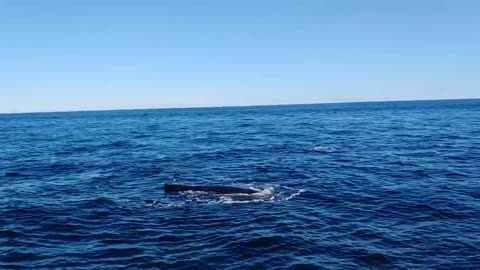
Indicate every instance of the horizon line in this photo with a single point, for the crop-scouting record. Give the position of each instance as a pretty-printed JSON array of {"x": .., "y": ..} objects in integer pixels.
[{"x": 235, "y": 106}]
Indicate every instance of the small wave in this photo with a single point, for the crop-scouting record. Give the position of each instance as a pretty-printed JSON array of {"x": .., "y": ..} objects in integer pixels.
[
  {"x": 325, "y": 149},
  {"x": 294, "y": 193},
  {"x": 10, "y": 234},
  {"x": 13, "y": 174},
  {"x": 375, "y": 259},
  {"x": 20, "y": 256},
  {"x": 163, "y": 205}
]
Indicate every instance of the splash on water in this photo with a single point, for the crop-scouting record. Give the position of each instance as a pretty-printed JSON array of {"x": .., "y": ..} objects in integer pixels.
[
  {"x": 191, "y": 198},
  {"x": 325, "y": 149}
]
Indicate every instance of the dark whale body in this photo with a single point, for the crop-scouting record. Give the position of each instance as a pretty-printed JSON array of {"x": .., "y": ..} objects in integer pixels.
[{"x": 213, "y": 189}]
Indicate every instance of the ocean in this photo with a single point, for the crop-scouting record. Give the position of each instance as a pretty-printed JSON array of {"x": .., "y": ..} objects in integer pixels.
[{"x": 381, "y": 185}]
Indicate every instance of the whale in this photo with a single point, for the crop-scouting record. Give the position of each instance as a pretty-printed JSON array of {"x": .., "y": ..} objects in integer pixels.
[{"x": 219, "y": 189}]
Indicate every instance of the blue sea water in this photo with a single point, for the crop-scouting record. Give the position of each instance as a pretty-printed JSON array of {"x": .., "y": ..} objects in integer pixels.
[{"x": 393, "y": 185}]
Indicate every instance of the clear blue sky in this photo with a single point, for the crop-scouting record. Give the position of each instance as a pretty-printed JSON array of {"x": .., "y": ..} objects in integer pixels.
[{"x": 93, "y": 54}]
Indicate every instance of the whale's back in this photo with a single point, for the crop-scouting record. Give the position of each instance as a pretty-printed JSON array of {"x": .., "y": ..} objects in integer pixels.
[{"x": 215, "y": 189}]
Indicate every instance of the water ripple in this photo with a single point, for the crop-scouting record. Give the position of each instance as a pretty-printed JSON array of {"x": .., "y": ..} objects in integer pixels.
[{"x": 350, "y": 186}]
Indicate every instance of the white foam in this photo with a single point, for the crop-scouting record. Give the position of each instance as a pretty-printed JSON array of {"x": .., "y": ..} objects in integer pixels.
[
  {"x": 293, "y": 195},
  {"x": 269, "y": 194},
  {"x": 269, "y": 191},
  {"x": 326, "y": 149}
]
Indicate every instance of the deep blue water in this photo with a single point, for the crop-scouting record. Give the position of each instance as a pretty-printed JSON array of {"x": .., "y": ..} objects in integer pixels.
[{"x": 392, "y": 185}]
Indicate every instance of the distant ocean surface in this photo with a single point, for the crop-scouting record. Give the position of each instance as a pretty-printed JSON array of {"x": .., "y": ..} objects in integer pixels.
[{"x": 388, "y": 185}]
